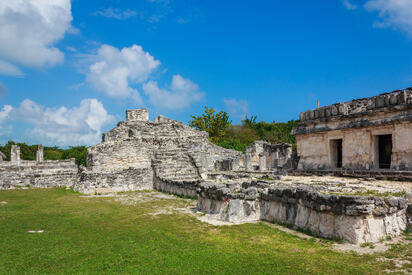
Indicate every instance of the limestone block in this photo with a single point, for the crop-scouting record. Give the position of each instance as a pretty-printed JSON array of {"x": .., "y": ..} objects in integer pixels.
[
  {"x": 15, "y": 154},
  {"x": 40, "y": 154},
  {"x": 137, "y": 115}
]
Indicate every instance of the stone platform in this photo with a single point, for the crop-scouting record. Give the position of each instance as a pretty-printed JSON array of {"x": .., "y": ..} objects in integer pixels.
[{"x": 351, "y": 210}]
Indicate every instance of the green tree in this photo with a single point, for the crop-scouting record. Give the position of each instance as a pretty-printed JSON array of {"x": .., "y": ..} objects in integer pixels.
[
  {"x": 216, "y": 124},
  {"x": 77, "y": 152}
]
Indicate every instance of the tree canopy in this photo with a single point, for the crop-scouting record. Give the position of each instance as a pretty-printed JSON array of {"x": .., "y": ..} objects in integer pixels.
[
  {"x": 216, "y": 124},
  {"x": 223, "y": 133}
]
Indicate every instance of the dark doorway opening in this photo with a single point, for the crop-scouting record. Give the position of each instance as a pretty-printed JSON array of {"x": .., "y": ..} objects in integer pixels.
[
  {"x": 336, "y": 153},
  {"x": 339, "y": 153},
  {"x": 385, "y": 151}
]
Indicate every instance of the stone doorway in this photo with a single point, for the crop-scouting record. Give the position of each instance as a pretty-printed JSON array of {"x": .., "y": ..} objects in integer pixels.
[
  {"x": 336, "y": 153},
  {"x": 385, "y": 151}
]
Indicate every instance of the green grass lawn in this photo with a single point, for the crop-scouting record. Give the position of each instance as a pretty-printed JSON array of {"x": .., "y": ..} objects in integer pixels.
[{"x": 101, "y": 235}]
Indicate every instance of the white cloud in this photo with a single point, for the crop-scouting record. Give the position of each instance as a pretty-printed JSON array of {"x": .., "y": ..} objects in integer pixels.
[
  {"x": 181, "y": 94},
  {"x": 4, "y": 114},
  {"x": 29, "y": 30},
  {"x": 3, "y": 90},
  {"x": 116, "y": 70},
  {"x": 237, "y": 108},
  {"x": 61, "y": 126},
  {"x": 7, "y": 68},
  {"x": 116, "y": 13},
  {"x": 349, "y": 5},
  {"x": 393, "y": 13}
]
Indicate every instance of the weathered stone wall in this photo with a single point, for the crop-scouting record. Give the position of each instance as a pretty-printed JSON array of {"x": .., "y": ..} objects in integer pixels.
[
  {"x": 38, "y": 173},
  {"x": 264, "y": 156},
  {"x": 351, "y": 218},
  {"x": 387, "y": 102},
  {"x": 48, "y": 173},
  {"x": 358, "y": 148},
  {"x": 355, "y": 219},
  {"x": 357, "y": 123}
]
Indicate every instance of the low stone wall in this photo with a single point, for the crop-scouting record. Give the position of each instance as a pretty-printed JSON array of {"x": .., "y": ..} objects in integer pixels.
[
  {"x": 131, "y": 179},
  {"x": 228, "y": 204},
  {"x": 355, "y": 219},
  {"x": 375, "y": 174},
  {"x": 181, "y": 188},
  {"x": 43, "y": 174}
]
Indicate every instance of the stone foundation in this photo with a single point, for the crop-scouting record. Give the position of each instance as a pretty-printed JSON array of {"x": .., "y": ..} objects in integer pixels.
[{"x": 355, "y": 219}]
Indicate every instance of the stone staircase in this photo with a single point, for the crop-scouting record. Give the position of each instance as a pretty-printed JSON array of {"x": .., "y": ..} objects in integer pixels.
[{"x": 174, "y": 165}]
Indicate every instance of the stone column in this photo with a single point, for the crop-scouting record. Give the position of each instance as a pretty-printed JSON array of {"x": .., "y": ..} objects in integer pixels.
[
  {"x": 40, "y": 154},
  {"x": 262, "y": 162},
  {"x": 15, "y": 154}
]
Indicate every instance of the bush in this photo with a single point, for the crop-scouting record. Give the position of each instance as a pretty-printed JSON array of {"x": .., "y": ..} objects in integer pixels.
[{"x": 234, "y": 144}]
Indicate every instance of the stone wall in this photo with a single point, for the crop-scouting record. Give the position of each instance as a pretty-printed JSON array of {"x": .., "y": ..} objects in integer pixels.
[
  {"x": 387, "y": 102},
  {"x": 355, "y": 219},
  {"x": 38, "y": 173},
  {"x": 264, "y": 156},
  {"x": 357, "y": 123}
]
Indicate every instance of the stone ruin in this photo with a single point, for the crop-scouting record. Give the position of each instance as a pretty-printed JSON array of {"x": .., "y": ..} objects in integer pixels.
[
  {"x": 264, "y": 156},
  {"x": 354, "y": 219},
  {"x": 368, "y": 134},
  {"x": 169, "y": 156},
  {"x": 36, "y": 173}
]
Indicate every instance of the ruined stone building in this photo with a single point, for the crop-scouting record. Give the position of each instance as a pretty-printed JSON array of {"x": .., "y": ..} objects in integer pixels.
[
  {"x": 36, "y": 173},
  {"x": 363, "y": 134},
  {"x": 264, "y": 156},
  {"x": 139, "y": 153}
]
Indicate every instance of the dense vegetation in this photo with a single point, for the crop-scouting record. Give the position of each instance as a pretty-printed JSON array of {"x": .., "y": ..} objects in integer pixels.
[
  {"x": 222, "y": 132},
  {"x": 28, "y": 152}
]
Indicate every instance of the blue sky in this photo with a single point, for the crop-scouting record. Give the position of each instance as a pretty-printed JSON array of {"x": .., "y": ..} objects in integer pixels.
[{"x": 69, "y": 69}]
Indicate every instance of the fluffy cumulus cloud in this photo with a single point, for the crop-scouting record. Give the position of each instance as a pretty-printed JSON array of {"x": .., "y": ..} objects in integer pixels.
[
  {"x": 237, "y": 108},
  {"x": 116, "y": 70},
  {"x": 393, "y": 13},
  {"x": 61, "y": 126},
  {"x": 181, "y": 93},
  {"x": 29, "y": 30}
]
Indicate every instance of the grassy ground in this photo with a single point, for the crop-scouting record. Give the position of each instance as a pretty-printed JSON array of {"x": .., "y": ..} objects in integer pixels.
[{"x": 101, "y": 235}]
